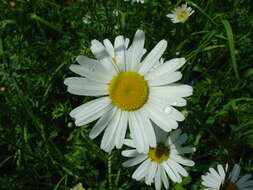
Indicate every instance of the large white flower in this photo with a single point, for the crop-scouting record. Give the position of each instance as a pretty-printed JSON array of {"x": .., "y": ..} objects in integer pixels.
[
  {"x": 223, "y": 180},
  {"x": 162, "y": 161},
  {"x": 131, "y": 90},
  {"x": 180, "y": 14}
]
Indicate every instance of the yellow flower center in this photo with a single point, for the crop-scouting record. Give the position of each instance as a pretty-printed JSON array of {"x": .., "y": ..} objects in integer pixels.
[
  {"x": 128, "y": 90},
  {"x": 182, "y": 15},
  {"x": 160, "y": 153},
  {"x": 231, "y": 186},
  {"x": 80, "y": 188}
]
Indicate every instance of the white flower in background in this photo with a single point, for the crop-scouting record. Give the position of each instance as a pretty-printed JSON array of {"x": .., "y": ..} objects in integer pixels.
[
  {"x": 180, "y": 14},
  {"x": 79, "y": 186},
  {"x": 129, "y": 91},
  {"x": 223, "y": 180},
  {"x": 86, "y": 19},
  {"x": 162, "y": 161},
  {"x": 137, "y": 1}
]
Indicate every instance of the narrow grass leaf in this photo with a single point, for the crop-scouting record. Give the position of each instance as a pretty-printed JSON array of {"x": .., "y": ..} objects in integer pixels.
[{"x": 231, "y": 46}]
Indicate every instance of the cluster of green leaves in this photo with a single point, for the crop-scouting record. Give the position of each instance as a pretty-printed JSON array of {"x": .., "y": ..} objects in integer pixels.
[{"x": 40, "y": 146}]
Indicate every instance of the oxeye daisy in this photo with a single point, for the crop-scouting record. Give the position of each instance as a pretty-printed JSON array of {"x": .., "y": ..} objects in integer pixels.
[
  {"x": 180, "y": 14},
  {"x": 79, "y": 186},
  {"x": 223, "y": 180},
  {"x": 161, "y": 161},
  {"x": 131, "y": 90}
]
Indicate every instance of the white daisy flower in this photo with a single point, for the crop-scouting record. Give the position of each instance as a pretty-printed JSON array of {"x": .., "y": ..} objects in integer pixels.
[
  {"x": 223, "y": 180},
  {"x": 79, "y": 186},
  {"x": 130, "y": 91},
  {"x": 180, "y": 14},
  {"x": 137, "y": 1},
  {"x": 162, "y": 161}
]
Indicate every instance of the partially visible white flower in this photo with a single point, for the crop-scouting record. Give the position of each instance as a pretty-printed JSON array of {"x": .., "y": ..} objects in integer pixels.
[
  {"x": 79, "y": 186},
  {"x": 223, "y": 180},
  {"x": 180, "y": 14},
  {"x": 163, "y": 161},
  {"x": 86, "y": 19},
  {"x": 137, "y": 1}
]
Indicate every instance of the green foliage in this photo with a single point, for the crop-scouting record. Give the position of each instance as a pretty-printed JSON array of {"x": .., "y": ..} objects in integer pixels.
[{"x": 40, "y": 146}]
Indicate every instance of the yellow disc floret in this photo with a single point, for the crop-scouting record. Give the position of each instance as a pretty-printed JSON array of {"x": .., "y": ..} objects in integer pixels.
[
  {"x": 128, "y": 91},
  {"x": 182, "y": 15},
  {"x": 160, "y": 153},
  {"x": 231, "y": 186}
]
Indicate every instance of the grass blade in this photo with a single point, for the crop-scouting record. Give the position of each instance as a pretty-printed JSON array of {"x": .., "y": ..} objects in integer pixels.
[{"x": 231, "y": 45}]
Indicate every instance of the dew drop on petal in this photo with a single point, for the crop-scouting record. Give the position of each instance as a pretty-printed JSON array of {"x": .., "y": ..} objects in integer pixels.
[{"x": 167, "y": 109}]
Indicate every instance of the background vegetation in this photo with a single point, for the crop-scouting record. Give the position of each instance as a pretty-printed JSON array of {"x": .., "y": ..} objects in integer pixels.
[{"x": 40, "y": 146}]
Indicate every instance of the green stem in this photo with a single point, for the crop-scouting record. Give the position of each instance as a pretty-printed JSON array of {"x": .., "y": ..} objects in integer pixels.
[
  {"x": 43, "y": 21},
  {"x": 109, "y": 165}
]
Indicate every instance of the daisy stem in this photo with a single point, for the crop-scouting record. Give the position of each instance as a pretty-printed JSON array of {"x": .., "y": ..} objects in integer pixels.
[{"x": 109, "y": 165}]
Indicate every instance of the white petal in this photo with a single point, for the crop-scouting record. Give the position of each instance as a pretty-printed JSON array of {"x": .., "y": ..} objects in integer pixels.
[
  {"x": 178, "y": 168},
  {"x": 158, "y": 179},
  {"x": 247, "y": 184},
  {"x": 164, "y": 178},
  {"x": 102, "y": 123},
  {"x": 167, "y": 68},
  {"x": 135, "y": 131},
  {"x": 221, "y": 171},
  {"x": 167, "y": 78},
  {"x": 108, "y": 140},
  {"x": 181, "y": 140},
  {"x": 94, "y": 65},
  {"x": 152, "y": 57},
  {"x": 176, "y": 90},
  {"x": 235, "y": 173},
  {"x": 174, "y": 170},
  {"x": 182, "y": 160},
  {"x": 169, "y": 172},
  {"x": 174, "y": 135},
  {"x": 166, "y": 109},
  {"x": 161, "y": 135},
  {"x": 134, "y": 161},
  {"x": 92, "y": 75},
  {"x": 109, "y": 47},
  {"x": 129, "y": 153},
  {"x": 137, "y": 49},
  {"x": 167, "y": 100},
  {"x": 127, "y": 42},
  {"x": 121, "y": 130},
  {"x": 129, "y": 143},
  {"x": 148, "y": 129},
  {"x": 214, "y": 173},
  {"x": 160, "y": 118},
  {"x": 120, "y": 51},
  {"x": 243, "y": 179},
  {"x": 142, "y": 170},
  {"x": 91, "y": 111},
  {"x": 85, "y": 87},
  {"x": 151, "y": 172},
  {"x": 102, "y": 55},
  {"x": 185, "y": 150}
]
